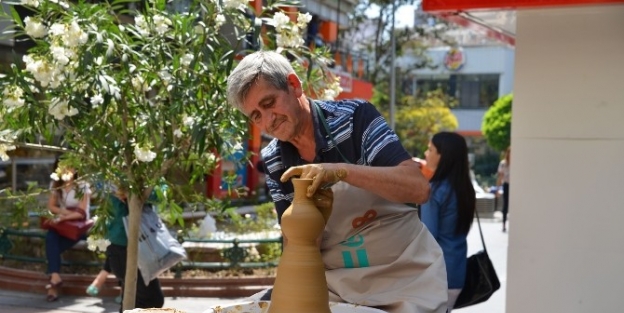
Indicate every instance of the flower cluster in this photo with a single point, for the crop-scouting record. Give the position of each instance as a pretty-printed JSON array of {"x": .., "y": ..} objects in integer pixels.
[
  {"x": 62, "y": 173},
  {"x": 143, "y": 153},
  {"x": 97, "y": 244},
  {"x": 333, "y": 89},
  {"x": 158, "y": 25},
  {"x": 289, "y": 34}
]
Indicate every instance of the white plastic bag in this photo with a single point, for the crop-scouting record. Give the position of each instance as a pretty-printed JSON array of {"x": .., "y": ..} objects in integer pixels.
[
  {"x": 158, "y": 250},
  {"x": 207, "y": 227}
]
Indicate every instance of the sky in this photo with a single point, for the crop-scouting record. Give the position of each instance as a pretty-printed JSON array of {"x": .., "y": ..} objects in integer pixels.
[{"x": 404, "y": 15}]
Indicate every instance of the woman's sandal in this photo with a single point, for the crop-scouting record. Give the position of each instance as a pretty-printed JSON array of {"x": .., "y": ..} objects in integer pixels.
[
  {"x": 92, "y": 290},
  {"x": 51, "y": 297}
]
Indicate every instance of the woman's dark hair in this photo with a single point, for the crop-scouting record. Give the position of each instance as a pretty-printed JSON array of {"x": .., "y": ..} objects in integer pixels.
[{"x": 454, "y": 167}]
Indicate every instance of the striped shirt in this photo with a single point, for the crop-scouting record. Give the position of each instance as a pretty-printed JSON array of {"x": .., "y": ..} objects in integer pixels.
[{"x": 361, "y": 133}]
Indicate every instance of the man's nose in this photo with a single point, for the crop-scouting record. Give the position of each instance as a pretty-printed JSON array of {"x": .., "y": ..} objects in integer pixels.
[{"x": 267, "y": 119}]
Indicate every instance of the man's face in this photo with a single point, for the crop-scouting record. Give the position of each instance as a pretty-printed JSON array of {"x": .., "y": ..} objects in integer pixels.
[{"x": 277, "y": 112}]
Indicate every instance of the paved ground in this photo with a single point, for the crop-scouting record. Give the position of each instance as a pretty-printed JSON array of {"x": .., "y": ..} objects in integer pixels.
[{"x": 17, "y": 302}]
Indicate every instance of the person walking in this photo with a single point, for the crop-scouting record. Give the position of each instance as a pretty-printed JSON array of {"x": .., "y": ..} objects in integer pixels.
[
  {"x": 450, "y": 210},
  {"x": 147, "y": 295},
  {"x": 503, "y": 181}
]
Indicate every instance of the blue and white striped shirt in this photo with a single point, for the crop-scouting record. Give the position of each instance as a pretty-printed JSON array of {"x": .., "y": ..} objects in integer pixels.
[{"x": 361, "y": 133}]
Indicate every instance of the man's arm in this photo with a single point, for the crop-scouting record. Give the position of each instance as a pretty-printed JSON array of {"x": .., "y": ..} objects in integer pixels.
[{"x": 403, "y": 183}]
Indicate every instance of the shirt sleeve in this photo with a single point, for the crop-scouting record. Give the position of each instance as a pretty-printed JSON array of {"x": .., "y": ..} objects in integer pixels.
[
  {"x": 276, "y": 190},
  {"x": 380, "y": 145}
]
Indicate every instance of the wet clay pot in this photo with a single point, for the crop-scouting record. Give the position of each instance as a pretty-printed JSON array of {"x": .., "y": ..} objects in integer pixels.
[{"x": 300, "y": 284}]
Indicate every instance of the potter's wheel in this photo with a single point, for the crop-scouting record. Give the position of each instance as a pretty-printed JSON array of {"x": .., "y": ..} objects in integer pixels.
[{"x": 263, "y": 307}]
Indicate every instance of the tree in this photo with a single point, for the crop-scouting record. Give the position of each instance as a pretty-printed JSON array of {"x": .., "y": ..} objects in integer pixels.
[
  {"x": 135, "y": 95},
  {"x": 496, "y": 126},
  {"x": 420, "y": 118},
  {"x": 370, "y": 35}
]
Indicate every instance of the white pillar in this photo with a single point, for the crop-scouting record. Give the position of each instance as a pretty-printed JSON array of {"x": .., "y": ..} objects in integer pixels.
[{"x": 566, "y": 245}]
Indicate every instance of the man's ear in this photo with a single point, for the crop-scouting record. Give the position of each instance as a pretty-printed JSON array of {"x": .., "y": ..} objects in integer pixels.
[{"x": 295, "y": 83}]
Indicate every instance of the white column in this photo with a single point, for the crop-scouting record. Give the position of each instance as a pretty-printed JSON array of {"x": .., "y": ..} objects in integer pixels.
[{"x": 566, "y": 245}]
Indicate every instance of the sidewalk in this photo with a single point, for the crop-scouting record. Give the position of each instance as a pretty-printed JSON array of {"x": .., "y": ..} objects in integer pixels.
[{"x": 496, "y": 240}]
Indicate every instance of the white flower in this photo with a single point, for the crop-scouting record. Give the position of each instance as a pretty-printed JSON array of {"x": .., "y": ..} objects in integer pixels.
[
  {"x": 235, "y": 4},
  {"x": 34, "y": 28},
  {"x": 303, "y": 19},
  {"x": 161, "y": 24},
  {"x": 178, "y": 133},
  {"x": 280, "y": 21},
  {"x": 58, "y": 53},
  {"x": 60, "y": 109},
  {"x": 55, "y": 176},
  {"x": 144, "y": 154},
  {"x": 41, "y": 69},
  {"x": 100, "y": 244},
  {"x": 288, "y": 39},
  {"x": 187, "y": 59},
  {"x": 188, "y": 121},
  {"x": 165, "y": 76},
  {"x": 70, "y": 34},
  {"x": 219, "y": 20},
  {"x": 31, "y": 3},
  {"x": 141, "y": 25},
  {"x": 3, "y": 151},
  {"x": 75, "y": 36},
  {"x": 97, "y": 100},
  {"x": 67, "y": 176},
  {"x": 13, "y": 97}
]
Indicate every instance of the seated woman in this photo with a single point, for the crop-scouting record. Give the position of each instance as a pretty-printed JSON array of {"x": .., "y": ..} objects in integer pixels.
[{"x": 69, "y": 200}]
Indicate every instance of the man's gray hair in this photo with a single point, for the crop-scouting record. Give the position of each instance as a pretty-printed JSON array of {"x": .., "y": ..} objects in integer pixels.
[{"x": 268, "y": 65}]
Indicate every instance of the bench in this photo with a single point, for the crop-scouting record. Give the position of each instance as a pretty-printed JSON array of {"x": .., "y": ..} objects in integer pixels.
[{"x": 231, "y": 251}]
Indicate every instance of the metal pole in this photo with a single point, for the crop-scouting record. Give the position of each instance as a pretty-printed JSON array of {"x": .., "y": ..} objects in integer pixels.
[
  {"x": 392, "y": 70},
  {"x": 338, "y": 27}
]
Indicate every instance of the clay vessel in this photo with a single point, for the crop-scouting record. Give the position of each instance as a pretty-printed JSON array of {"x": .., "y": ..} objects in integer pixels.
[{"x": 300, "y": 284}]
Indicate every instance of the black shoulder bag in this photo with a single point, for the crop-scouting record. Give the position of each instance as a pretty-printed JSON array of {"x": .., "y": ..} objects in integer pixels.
[{"x": 481, "y": 278}]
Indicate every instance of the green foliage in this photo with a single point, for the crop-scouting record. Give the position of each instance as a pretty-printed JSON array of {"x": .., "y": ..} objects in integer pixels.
[
  {"x": 420, "y": 118},
  {"x": 132, "y": 97},
  {"x": 496, "y": 127},
  {"x": 264, "y": 218},
  {"x": 138, "y": 96},
  {"x": 16, "y": 206}
]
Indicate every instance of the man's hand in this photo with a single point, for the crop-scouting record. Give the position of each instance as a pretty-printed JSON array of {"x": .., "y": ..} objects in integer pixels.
[
  {"x": 322, "y": 175},
  {"x": 323, "y": 200}
]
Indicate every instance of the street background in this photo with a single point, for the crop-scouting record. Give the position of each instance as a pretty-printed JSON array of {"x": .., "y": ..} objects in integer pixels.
[{"x": 495, "y": 239}]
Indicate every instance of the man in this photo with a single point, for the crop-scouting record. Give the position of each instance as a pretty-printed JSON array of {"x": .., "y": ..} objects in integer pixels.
[{"x": 348, "y": 146}]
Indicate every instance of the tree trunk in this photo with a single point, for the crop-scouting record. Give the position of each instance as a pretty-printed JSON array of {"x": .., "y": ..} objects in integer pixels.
[{"x": 135, "y": 208}]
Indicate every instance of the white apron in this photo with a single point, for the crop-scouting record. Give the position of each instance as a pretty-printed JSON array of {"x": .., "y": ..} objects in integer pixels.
[{"x": 379, "y": 254}]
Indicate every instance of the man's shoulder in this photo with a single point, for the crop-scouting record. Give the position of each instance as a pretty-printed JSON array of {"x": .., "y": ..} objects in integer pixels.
[{"x": 342, "y": 107}]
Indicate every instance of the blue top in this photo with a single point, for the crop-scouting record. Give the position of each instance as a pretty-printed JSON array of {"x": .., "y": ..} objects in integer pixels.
[
  {"x": 116, "y": 232},
  {"x": 440, "y": 215},
  {"x": 361, "y": 133}
]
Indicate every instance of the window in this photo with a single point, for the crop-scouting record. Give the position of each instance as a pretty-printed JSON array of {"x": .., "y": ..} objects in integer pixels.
[{"x": 471, "y": 91}]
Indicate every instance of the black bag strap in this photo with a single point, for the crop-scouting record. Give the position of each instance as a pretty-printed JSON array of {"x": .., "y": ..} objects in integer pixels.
[
  {"x": 329, "y": 133},
  {"x": 480, "y": 231}
]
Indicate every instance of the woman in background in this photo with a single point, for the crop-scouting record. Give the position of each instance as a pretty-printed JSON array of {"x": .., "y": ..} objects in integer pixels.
[
  {"x": 449, "y": 212},
  {"x": 69, "y": 200}
]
